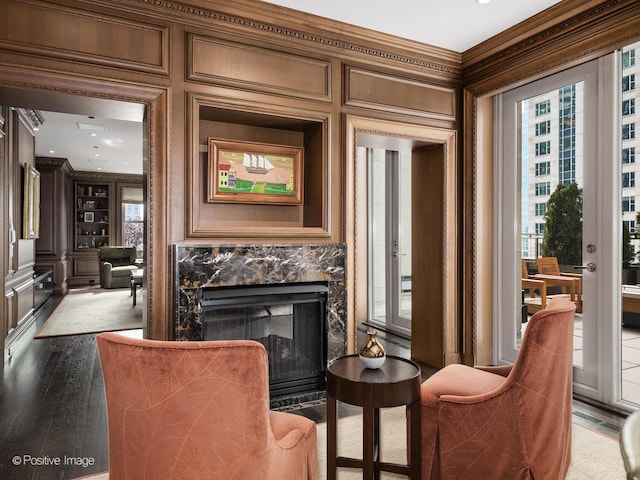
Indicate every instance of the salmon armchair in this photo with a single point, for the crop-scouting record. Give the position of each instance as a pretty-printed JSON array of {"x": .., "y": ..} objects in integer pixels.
[
  {"x": 508, "y": 422},
  {"x": 198, "y": 410}
]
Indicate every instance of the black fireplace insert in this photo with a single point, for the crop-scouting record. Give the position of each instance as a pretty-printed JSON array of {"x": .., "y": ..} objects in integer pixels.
[{"x": 288, "y": 319}]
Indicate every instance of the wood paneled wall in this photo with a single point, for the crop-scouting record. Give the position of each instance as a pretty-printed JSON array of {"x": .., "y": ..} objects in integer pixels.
[
  {"x": 194, "y": 63},
  {"x": 241, "y": 69}
]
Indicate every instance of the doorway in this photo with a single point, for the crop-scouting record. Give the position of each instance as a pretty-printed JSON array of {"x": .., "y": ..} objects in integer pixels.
[
  {"x": 558, "y": 136},
  {"x": 389, "y": 239},
  {"x": 433, "y": 322},
  {"x": 60, "y": 104}
]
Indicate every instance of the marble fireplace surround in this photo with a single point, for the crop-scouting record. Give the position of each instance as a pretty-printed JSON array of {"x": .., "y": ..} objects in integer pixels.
[{"x": 206, "y": 266}]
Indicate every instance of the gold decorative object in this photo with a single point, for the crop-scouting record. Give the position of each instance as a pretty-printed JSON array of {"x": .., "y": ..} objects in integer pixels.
[{"x": 372, "y": 353}]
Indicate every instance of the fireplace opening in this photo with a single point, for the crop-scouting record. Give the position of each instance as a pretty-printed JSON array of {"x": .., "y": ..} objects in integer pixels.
[{"x": 288, "y": 319}]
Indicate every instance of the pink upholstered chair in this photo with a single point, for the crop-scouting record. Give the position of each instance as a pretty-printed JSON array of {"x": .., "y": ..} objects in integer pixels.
[
  {"x": 198, "y": 410},
  {"x": 510, "y": 422}
]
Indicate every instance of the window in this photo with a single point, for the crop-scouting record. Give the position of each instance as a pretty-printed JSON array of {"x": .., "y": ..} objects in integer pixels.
[
  {"x": 629, "y": 82},
  {"x": 543, "y": 168},
  {"x": 542, "y": 108},
  {"x": 631, "y": 225},
  {"x": 567, "y": 106},
  {"x": 133, "y": 219},
  {"x": 628, "y": 179},
  {"x": 629, "y": 155},
  {"x": 540, "y": 228},
  {"x": 629, "y": 106},
  {"x": 541, "y": 209},
  {"x": 628, "y": 204},
  {"x": 543, "y": 128},
  {"x": 543, "y": 188},
  {"x": 543, "y": 148},
  {"x": 628, "y": 58},
  {"x": 628, "y": 131}
]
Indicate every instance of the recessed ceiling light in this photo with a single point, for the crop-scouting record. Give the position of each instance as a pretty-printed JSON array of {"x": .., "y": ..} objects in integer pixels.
[
  {"x": 482, "y": 2},
  {"x": 52, "y": 151},
  {"x": 93, "y": 134},
  {"x": 96, "y": 154},
  {"x": 90, "y": 126}
]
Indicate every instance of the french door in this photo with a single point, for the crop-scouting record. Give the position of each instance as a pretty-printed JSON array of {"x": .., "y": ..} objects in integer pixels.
[
  {"x": 559, "y": 131},
  {"x": 389, "y": 239}
]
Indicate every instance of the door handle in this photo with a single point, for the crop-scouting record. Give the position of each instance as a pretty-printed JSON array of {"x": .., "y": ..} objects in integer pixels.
[{"x": 590, "y": 267}]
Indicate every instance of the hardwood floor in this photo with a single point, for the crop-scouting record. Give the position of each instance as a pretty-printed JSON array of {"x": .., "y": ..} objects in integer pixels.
[{"x": 53, "y": 408}]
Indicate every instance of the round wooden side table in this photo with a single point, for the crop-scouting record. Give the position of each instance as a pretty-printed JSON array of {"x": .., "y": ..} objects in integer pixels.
[{"x": 394, "y": 384}]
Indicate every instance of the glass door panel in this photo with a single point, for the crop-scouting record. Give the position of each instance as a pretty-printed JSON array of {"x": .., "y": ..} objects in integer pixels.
[
  {"x": 549, "y": 171},
  {"x": 389, "y": 200},
  {"x": 630, "y": 189}
]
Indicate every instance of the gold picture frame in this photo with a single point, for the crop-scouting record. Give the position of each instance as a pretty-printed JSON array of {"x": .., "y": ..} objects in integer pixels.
[
  {"x": 258, "y": 173},
  {"x": 31, "y": 203}
]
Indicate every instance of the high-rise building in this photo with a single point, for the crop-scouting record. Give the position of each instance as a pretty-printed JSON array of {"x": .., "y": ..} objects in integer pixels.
[{"x": 551, "y": 151}]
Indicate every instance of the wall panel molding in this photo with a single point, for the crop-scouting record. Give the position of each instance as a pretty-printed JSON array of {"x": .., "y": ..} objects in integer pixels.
[
  {"x": 389, "y": 93},
  {"x": 86, "y": 37},
  {"x": 313, "y": 32},
  {"x": 214, "y": 61}
]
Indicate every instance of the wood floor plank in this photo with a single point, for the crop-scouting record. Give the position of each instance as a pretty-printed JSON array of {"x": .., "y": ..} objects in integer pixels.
[{"x": 52, "y": 403}]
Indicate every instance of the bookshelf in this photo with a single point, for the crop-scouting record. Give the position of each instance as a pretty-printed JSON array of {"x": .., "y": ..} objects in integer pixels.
[{"x": 91, "y": 215}]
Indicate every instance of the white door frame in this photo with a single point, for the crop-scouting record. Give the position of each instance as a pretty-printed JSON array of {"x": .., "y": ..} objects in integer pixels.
[{"x": 601, "y": 288}]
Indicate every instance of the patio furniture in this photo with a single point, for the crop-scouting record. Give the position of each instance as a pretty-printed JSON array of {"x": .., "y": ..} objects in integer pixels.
[{"x": 570, "y": 283}]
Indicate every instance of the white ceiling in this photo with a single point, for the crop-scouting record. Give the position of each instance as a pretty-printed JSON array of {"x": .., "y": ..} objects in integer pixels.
[
  {"x": 91, "y": 144},
  {"x": 452, "y": 24}
]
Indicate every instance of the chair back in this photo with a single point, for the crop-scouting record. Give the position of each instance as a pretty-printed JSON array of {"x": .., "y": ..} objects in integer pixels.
[
  {"x": 117, "y": 255},
  {"x": 525, "y": 270},
  {"x": 548, "y": 266},
  {"x": 543, "y": 372},
  {"x": 178, "y": 409}
]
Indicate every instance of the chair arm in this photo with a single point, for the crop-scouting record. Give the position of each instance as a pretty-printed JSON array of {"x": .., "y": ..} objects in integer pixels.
[
  {"x": 105, "y": 274},
  {"x": 567, "y": 274},
  {"x": 630, "y": 445},
  {"x": 541, "y": 285}
]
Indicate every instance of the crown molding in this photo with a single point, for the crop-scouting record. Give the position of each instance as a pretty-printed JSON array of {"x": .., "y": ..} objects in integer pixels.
[
  {"x": 571, "y": 32},
  {"x": 289, "y": 26}
]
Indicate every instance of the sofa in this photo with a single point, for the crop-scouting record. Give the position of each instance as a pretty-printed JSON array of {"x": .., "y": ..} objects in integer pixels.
[{"x": 116, "y": 264}]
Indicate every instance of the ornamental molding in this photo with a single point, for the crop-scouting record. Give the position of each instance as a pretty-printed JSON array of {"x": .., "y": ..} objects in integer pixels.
[
  {"x": 288, "y": 33},
  {"x": 546, "y": 36}
]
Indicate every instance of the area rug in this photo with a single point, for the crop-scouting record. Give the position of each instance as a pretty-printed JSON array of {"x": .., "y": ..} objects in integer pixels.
[
  {"x": 594, "y": 456},
  {"x": 92, "y": 310}
]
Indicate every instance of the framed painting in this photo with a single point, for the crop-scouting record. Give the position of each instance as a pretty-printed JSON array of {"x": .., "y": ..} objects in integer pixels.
[
  {"x": 31, "y": 203},
  {"x": 259, "y": 173}
]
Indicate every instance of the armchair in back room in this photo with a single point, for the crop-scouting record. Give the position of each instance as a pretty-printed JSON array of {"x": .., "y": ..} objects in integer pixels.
[{"x": 116, "y": 264}]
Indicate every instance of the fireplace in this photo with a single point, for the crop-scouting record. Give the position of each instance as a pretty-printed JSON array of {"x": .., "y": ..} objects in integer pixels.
[
  {"x": 288, "y": 319},
  {"x": 201, "y": 270}
]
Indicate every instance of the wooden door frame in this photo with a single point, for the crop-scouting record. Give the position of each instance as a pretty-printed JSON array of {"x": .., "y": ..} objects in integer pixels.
[
  {"x": 436, "y": 331},
  {"x": 37, "y": 87}
]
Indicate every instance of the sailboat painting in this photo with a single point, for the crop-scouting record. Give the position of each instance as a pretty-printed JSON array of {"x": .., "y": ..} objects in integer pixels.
[{"x": 247, "y": 172}]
